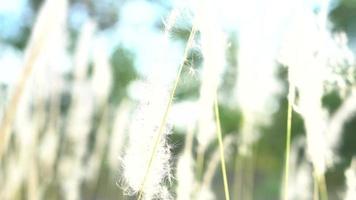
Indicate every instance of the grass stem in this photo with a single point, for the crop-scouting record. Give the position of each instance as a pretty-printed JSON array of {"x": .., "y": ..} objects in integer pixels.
[
  {"x": 291, "y": 93},
  {"x": 221, "y": 147}
]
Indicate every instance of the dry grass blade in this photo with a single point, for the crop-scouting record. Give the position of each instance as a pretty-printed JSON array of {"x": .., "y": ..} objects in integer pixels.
[{"x": 51, "y": 16}]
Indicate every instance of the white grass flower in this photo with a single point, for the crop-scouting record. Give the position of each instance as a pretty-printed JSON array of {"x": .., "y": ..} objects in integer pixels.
[
  {"x": 80, "y": 117},
  {"x": 214, "y": 61},
  {"x": 142, "y": 134},
  {"x": 81, "y": 57},
  {"x": 118, "y": 135},
  {"x": 50, "y": 143},
  {"x": 311, "y": 52},
  {"x": 185, "y": 176},
  {"x": 300, "y": 182},
  {"x": 256, "y": 83},
  {"x": 102, "y": 75},
  {"x": 350, "y": 175},
  {"x": 146, "y": 164}
]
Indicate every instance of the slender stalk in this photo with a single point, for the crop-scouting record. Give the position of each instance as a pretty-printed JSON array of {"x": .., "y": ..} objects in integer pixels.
[
  {"x": 322, "y": 187},
  {"x": 221, "y": 147},
  {"x": 291, "y": 93},
  {"x": 165, "y": 116}
]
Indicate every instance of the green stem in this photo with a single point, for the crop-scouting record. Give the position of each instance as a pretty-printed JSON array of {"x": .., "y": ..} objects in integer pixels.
[
  {"x": 221, "y": 147},
  {"x": 291, "y": 94}
]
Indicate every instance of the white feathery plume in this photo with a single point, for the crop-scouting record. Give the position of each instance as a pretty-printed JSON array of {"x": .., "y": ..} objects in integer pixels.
[
  {"x": 102, "y": 78},
  {"x": 310, "y": 50},
  {"x": 142, "y": 132},
  {"x": 185, "y": 168},
  {"x": 185, "y": 176},
  {"x": 118, "y": 135},
  {"x": 81, "y": 57},
  {"x": 350, "y": 175},
  {"x": 314, "y": 59},
  {"x": 214, "y": 61},
  {"x": 256, "y": 82},
  {"x": 101, "y": 82},
  {"x": 48, "y": 85},
  {"x": 80, "y": 116},
  {"x": 300, "y": 181},
  {"x": 49, "y": 145},
  {"x": 146, "y": 163}
]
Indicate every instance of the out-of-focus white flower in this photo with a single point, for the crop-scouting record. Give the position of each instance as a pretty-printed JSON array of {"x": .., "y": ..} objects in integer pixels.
[
  {"x": 350, "y": 175},
  {"x": 118, "y": 135},
  {"x": 185, "y": 176},
  {"x": 82, "y": 51},
  {"x": 300, "y": 181},
  {"x": 80, "y": 116},
  {"x": 102, "y": 78},
  {"x": 314, "y": 58},
  {"x": 214, "y": 61}
]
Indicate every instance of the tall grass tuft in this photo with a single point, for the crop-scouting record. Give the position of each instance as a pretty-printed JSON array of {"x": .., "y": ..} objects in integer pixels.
[
  {"x": 146, "y": 163},
  {"x": 62, "y": 136},
  {"x": 142, "y": 133},
  {"x": 80, "y": 115}
]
